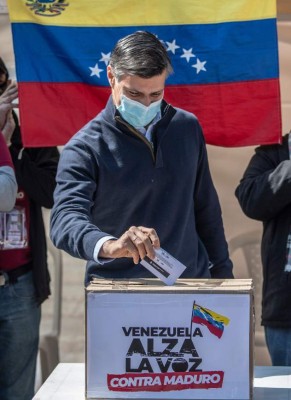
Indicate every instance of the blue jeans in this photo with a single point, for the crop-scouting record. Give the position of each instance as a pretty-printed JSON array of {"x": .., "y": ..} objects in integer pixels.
[
  {"x": 19, "y": 335},
  {"x": 278, "y": 341}
]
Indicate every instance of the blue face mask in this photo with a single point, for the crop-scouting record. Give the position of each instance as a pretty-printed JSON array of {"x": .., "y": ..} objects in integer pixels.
[{"x": 136, "y": 114}]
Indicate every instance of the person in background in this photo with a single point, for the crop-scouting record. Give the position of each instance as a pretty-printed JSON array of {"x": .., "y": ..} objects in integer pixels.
[
  {"x": 264, "y": 194},
  {"x": 8, "y": 184},
  {"x": 24, "y": 276},
  {"x": 136, "y": 177}
]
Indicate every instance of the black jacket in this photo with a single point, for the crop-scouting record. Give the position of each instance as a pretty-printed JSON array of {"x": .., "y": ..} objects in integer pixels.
[
  {"x": 35, "y": 170},
  {"x": 264, "y": 194}
]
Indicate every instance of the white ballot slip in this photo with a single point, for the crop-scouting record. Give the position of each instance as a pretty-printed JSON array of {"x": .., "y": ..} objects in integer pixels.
[{"x": 164, "y": 266}]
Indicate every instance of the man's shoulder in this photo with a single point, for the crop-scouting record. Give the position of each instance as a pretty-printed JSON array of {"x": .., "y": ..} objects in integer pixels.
[
  {"x": 182, "y": 113},
  {"x": 188, "y": 124},
  {"x": 92, "y": 130}
]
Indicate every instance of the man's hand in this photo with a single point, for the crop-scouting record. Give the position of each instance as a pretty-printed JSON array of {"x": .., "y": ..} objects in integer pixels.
[{"x": 135, "y": 243}]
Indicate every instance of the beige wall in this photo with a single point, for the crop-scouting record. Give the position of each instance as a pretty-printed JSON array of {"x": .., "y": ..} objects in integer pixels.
[{"x": 227, "y": 165}]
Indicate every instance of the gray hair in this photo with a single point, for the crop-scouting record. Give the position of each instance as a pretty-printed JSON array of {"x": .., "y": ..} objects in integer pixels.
[{"x": 140, "y": 53}]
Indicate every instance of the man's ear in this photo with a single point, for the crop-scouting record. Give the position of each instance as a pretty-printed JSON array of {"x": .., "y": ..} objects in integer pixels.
[{"x": 110, "y": 76}]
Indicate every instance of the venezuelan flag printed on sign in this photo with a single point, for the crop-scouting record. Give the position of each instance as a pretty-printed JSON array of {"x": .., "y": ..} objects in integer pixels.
[
  {"x": 213, "y": 321},
  {"x": 224, "y": 55}
]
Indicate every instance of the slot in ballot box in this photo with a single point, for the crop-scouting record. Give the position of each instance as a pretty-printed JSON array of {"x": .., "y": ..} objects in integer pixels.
[{"x": 192, "y": 340}]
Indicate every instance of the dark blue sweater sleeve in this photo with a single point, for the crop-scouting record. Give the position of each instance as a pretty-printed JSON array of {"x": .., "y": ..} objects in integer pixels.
[{"x": 71, "y": 228}]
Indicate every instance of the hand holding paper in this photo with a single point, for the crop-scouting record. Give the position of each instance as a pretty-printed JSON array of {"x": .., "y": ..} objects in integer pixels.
[{"x": 164, "y": 266}]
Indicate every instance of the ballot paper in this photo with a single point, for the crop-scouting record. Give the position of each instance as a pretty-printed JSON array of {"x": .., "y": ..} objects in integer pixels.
[{"x": 164, "y": 266}]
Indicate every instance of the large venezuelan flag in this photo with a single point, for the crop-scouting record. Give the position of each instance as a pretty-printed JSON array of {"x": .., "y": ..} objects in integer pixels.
[{"x": 224, "y": 54}]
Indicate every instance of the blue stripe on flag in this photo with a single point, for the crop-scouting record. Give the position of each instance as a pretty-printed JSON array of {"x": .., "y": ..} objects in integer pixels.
[{"x": 212, "y": 53}]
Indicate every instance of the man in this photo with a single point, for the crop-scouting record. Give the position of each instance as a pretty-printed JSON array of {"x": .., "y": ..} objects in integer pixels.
[
  {"x": 264, "y": 194},
  {"x": 24, "y": 276},
  {"x": 136, "y": 177}
]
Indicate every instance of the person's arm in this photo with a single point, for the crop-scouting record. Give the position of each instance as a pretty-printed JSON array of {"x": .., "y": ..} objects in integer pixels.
[
  {"x": 265, "y": 189},
  {"x": 71, "y": 227},
  {"x": 8, "y": 185},
  {"x": 209, "y": 220}
]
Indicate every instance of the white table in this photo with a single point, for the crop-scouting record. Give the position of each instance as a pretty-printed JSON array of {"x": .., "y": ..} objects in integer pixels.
[{"x": 67, "y": 382}]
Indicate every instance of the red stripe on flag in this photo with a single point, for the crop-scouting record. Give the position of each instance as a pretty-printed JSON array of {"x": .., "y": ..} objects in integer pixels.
[
  {"x": 233, "y": 114},
  {"x": 215, "y": 330},
  {"x": 50, "y": 113}
]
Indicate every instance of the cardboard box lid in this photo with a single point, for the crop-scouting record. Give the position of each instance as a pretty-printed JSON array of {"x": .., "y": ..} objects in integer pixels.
[{"x": 181, "y": 285}]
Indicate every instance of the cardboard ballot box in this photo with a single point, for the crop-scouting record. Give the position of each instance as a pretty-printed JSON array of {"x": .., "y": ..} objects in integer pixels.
[{"x": 192, "y": 340}]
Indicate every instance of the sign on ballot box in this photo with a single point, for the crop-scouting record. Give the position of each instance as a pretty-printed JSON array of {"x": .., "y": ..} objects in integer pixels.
[{"x": 192, "y": 340}]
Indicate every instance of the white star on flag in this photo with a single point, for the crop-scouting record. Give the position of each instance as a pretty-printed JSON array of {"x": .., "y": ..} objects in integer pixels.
[
  {"x": 199, "y": 66},
  {"x": 172, "y": 46},
  {"x": 187, "y": 54},
  {"x": 95, "y": 70},
  {"x": 105, "y": 58}
]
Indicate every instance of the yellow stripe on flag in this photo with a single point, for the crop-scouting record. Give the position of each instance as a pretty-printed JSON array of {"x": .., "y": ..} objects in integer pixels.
[
  {"x": 137, "y": 13},
  {"x": 217, "y": 317}
]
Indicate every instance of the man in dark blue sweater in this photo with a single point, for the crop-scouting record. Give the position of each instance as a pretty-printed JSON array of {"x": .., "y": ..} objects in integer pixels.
[{"x": 136, "y": 177}]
